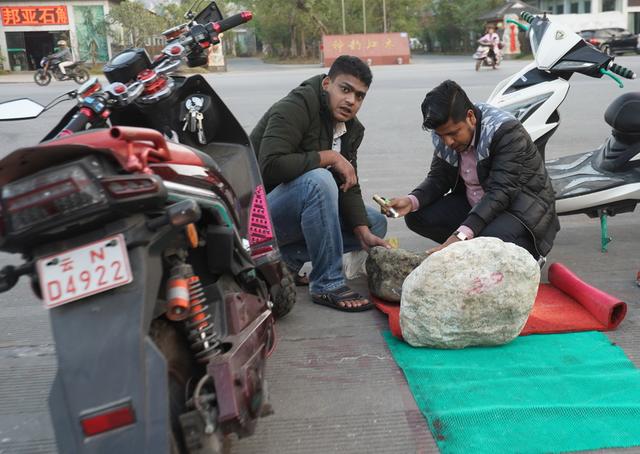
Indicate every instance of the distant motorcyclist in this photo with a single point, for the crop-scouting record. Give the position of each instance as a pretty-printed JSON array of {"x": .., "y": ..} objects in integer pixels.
[
  {"x": 62, "y": 66},
  {"x": 488, "y": 52},
  {"x": 493, "y": 37},
  {"x": 63, "y": 55}
]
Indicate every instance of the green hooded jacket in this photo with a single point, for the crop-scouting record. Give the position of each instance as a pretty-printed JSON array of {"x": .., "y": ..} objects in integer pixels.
[{"x": 289, "y": 136}]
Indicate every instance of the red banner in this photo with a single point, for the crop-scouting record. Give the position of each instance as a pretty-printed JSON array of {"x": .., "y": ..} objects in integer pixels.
[
  {"x": 373, "y": 48},
  {"x": 34, "y": 15}
]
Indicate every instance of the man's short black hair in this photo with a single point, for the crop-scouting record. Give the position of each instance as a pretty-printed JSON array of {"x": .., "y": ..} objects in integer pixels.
[
  {"x": 447, "y": 101},
  {"x": 352, "y": 66}
]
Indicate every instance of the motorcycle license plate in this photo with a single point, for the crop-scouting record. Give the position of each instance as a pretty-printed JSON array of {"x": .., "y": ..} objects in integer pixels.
[{"x": 84, "y": 271}]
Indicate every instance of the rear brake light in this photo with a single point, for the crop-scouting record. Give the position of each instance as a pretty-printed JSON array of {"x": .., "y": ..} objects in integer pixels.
[
  {"x": 260, "y": 230},
  {"x": 107, "y": 420},
  {"x": 48, "y": 195},
  {"x": 594, "y": 41}
]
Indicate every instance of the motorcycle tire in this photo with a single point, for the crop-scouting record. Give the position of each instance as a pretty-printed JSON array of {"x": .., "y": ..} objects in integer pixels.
[
  {"x": 283, "y": 294},
  {"x": 81, "y": 76},
  {"x": 42, "y": 78},
  {"x": 478, "y": 64},
  {"x": 181, "y": 367}
]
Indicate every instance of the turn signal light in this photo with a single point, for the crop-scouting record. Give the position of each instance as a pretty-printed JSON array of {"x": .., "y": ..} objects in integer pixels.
[{"x": 110, "y": 419}]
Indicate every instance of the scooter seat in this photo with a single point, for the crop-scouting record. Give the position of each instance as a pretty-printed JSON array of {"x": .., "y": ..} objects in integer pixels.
[{"x": 623, "y": 114}]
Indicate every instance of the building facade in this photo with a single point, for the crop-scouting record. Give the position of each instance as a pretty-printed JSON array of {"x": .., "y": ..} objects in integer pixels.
[
  {"x": 30, "y": 30},
  {"x": 628, "y": 9}
]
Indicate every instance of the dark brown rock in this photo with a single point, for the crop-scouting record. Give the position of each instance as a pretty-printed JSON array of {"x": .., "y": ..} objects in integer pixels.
[{"x": 387, "y": 270}]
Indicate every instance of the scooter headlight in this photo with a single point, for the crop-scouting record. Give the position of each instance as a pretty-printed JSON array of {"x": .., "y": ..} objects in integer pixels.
[{"x": 525, "y": 109}]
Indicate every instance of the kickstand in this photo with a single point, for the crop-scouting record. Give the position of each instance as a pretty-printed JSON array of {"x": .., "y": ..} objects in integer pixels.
[{"x": 605, "y": 239}]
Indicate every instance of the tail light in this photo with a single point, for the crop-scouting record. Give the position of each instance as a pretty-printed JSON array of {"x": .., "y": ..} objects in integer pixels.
[
  {"x": 594, "y": 41},
  {"x": 49, "y": 195},
  {"x": 109, "y": 419},
  {"x": 51, "y": 200},
  {"x": 260, "y": 230}
]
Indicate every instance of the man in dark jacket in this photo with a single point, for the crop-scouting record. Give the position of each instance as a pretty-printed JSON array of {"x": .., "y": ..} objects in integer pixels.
[
  {"x": 307, "y": 145},
  {"x": 486, "y": 178}
]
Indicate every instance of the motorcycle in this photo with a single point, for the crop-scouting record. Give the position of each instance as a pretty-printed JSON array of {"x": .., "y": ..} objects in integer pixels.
[
  {"x": 485, "y": 55},
  {"x": 49, "y": 67},
  {"x": 143, "y": 225},
  {"x": 601, "y": 182}
]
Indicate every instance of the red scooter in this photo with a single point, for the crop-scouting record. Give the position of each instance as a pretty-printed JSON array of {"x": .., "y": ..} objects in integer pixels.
[{"x": 143, "y": 225}]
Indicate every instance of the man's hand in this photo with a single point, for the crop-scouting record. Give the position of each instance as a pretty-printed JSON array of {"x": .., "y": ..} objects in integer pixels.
[
  {"x": 401, "y": 204},
  {"x": 452, "y": 239},
  {"x": 368, "y": 239},
  {"x": 338, "y": 163}
]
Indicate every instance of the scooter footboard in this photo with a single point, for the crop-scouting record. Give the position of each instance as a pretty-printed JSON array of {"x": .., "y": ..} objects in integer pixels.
[{"x": 110, "y": 391}]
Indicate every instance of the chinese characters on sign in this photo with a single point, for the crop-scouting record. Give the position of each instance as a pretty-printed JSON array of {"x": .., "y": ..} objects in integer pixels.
[
  {"x": 34, "y": 15},
  {"x": 374, "y": 48}
]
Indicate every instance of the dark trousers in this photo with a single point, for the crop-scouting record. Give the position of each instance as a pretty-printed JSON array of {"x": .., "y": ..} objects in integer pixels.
[{"x": 440, "y": 219}]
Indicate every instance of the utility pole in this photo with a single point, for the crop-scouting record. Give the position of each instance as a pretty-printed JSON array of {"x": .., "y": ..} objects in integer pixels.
[
  {"x": 364, "y": 15},
  {"x": 384, "y": 15},
  {"x": 344, "y": 24}
]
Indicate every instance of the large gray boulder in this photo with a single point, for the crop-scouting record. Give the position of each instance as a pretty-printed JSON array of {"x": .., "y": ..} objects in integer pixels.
[
  {"x": 476, "y": 292},
  {"x": 387, "y": 270}
]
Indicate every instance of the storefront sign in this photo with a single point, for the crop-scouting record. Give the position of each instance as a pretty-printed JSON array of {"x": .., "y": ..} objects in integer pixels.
[
  {"x": 34, "y": 15},
  {"x": 373, "y": 48}
]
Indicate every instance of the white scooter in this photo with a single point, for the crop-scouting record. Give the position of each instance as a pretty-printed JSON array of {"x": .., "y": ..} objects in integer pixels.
[{"x": 598, "y": 183}]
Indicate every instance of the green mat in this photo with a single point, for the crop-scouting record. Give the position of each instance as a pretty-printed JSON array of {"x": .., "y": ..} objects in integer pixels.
[{"x": 538, "y": 394}]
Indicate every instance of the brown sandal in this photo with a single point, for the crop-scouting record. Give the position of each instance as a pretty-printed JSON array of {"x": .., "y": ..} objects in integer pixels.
[{"x": 342, "y": 294}]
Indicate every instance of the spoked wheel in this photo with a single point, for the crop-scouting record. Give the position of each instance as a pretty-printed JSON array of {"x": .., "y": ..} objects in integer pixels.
[
  {"x": 42, "y": 78},
  {"x": 81, "y": 76}
]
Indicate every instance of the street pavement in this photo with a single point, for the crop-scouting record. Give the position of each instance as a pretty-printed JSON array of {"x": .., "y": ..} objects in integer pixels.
[{"x": 334, "y": 386}]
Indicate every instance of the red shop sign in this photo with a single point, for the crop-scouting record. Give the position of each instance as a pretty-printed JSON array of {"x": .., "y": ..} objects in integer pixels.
[{"x": 34, "y": 15}]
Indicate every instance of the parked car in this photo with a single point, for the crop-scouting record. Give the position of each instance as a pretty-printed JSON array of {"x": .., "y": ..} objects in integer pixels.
[{"x": 612, "y": 40}]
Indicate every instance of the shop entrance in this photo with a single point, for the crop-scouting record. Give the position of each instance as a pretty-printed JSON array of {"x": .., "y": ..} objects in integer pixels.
[{"x": 26, "y": 49}]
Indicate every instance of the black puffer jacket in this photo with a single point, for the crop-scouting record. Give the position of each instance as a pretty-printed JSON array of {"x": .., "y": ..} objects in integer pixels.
[{"x": 511, "y": 172}]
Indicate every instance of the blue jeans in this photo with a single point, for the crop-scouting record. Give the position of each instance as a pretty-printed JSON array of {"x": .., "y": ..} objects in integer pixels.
[{"x": 308, "y": 227}]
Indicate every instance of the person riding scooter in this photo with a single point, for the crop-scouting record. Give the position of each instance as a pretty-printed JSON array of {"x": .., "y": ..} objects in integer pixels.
[
  {"x": 63, "y": 55},
  {"x": 488, "y": 51}
]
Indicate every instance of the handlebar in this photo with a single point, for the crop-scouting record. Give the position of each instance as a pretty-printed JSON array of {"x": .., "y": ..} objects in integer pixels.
[
  {"x": 232, "y": 21},
  {"x": 182, "y": 41},
  {"x": 622, "y": 71},
  {"x": 619, "y": 70},
  {"x": 77, "y": 123},
  {"x": 527, "y": 17}
]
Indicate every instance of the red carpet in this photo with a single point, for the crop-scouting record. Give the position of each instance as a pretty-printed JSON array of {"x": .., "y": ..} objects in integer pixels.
[{"x": 566, "y": 304}]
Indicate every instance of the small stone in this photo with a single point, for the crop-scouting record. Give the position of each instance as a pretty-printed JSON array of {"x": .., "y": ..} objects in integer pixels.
[
  {"x": 472, "y": 293},
  {"x": 387, "y": 270}
]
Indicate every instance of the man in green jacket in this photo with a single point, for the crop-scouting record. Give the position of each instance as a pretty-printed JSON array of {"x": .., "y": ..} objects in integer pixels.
[{"x": 307, "y": 145}]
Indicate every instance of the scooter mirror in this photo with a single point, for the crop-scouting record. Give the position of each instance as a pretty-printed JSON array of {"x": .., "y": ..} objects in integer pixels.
[{"x": 20, "y": 109}]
